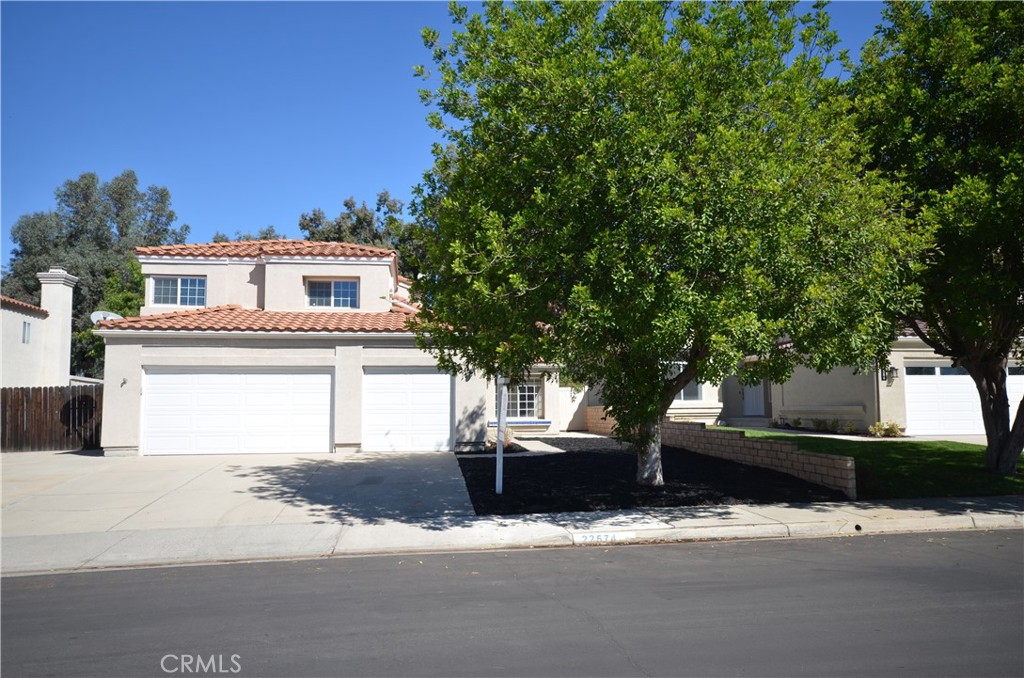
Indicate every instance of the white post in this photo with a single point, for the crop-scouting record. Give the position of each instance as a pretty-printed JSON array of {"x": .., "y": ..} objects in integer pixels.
[{"x": 499, "y": 470}]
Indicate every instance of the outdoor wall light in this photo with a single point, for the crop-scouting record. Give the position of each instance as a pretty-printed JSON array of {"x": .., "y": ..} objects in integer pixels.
[{"x": 889, "y": 374}]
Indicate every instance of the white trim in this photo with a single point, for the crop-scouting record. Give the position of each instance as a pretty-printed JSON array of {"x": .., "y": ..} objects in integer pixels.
[
  {"x": 306, "y": 259},
  {"x": 195, "y": 334},
  {"x": 173, "y": 259}
]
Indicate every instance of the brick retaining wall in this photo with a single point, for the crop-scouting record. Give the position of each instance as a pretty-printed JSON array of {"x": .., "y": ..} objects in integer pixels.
[{"x": 836, "y": 472}]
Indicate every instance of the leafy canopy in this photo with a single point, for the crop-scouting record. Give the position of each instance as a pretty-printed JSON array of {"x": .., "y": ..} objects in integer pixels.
[
  {"x": 940, "y": 99},
  {"x": 92, "y": 232},
  {"x": 630, "y": 186}
]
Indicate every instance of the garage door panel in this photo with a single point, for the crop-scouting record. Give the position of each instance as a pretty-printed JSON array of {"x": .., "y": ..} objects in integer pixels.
[
  {"x": 406, "y": 411},
  {"x": 236, "y": 413},
  {"x": 948, "y": 404}
]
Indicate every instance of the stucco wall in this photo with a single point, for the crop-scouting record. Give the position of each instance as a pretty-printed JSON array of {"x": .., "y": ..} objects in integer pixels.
[
  {"x": 286, "y": 286},
  {"x": 23, "y": 364},
  {"x": 236, "y": 282},
  {"x": 840, "y": 394},
  {"x": 127, "y": 362}
]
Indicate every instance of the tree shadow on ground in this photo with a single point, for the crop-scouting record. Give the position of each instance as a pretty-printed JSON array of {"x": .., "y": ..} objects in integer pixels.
[
  {"x": 598, "y": 474},
  {"x": 421, "y": 489}
]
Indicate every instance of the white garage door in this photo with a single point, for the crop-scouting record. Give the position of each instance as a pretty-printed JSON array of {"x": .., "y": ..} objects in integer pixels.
[
  {"x": 943, "y": 400},
  {"x": 236, "y": 413},
  {"x": 407, "y": 411}
]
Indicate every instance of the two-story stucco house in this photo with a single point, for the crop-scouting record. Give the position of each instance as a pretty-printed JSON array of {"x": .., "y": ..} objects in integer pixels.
[{"x": 278, "y": 346}]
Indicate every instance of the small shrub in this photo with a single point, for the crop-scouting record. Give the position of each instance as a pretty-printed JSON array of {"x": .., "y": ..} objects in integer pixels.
[
  {"x": 819, "y": 424},
  {"x": 894, "y": 430},
  {"x": 849, "y": 428},
  {"x": 889, "y": 429},
  {"x": 833, "y": 426},
  {"x": 796, "y": 422}
]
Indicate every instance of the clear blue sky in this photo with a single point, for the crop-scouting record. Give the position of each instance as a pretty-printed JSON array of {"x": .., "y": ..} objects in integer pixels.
[{"x": 249, "y": 112}]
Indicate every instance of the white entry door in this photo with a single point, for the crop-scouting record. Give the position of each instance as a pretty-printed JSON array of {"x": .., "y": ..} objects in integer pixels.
[
  {"x": 753, "y": 400},
  {"x": 943, "y": 400},
  {"x": 235, "y": 412},
  {"x": 406, "y": 410}
]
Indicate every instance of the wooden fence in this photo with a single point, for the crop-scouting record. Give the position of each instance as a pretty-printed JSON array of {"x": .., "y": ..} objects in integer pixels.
[{"x": 51, "y": 418}]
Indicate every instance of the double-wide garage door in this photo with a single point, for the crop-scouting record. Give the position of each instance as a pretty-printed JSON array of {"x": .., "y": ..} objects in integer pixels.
[
  {"x": 236, "y": 412},
  {"x": 942, "y": 400}
]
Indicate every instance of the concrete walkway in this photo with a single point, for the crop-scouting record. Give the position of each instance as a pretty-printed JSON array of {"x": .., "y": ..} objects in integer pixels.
[{"x": 64, "y": 512}]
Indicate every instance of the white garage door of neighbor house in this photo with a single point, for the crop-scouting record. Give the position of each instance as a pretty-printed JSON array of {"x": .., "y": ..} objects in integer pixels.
[
  {"x": 406, "y": 411},
  {"x": 942, "y": 400},
  {"x": 236, "y": 412}
]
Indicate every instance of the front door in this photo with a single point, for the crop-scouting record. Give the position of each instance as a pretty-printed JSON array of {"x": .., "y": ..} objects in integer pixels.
[{"x": 753, "y": 400}]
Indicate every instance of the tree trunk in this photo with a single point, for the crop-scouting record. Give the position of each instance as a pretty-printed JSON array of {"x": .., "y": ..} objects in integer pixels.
[
  {"x": 1005, "y": 444},
  {"x": 648, "y": 456}
]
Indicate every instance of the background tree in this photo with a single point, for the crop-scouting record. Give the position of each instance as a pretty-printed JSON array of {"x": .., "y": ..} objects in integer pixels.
[
  {"x": 92, "y": 233},
  {"x": 940, "y": 96},
  {"x": 381, "y": 226},
  {"x": 644, "y": 194},
  {"x": 266, "y": 233}
]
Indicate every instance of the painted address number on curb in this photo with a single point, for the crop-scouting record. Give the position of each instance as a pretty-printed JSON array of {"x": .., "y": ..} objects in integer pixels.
[{"x": 602, "y": 537}]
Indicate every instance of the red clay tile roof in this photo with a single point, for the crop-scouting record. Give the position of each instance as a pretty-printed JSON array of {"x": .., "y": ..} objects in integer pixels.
[
  {"x": 249, "y": 249},
  {"x": 22, "y": 306},
  {"x": 237, "y": 319}
]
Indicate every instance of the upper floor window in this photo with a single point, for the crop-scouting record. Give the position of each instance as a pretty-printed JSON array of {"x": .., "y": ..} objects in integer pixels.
[
  {"x": 179, "y": 291},
  {"x": 333, "y": 293}
]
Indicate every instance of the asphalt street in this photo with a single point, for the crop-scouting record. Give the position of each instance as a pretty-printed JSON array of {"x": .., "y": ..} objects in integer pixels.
[{"x": 935, "y": 604}]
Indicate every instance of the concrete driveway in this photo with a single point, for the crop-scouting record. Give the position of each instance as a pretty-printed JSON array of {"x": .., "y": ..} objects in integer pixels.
[{"x": 46, "y": 493}]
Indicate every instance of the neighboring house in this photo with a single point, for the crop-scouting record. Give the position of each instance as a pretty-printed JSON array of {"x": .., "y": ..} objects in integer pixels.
[
  {"x": 37, "y": 339},
  {"x": 280, "y": 346},
  {"x": 922, "y": 393}
]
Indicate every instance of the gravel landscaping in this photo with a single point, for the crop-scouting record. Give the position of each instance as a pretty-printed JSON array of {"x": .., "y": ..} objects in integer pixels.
[{"x": 598, "y": 474}]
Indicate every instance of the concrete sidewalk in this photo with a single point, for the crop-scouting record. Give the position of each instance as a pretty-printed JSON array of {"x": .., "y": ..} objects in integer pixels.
[{"x": 65, "y": 512}]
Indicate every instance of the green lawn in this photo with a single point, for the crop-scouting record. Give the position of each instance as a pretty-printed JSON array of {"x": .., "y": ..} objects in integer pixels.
[{"x": 904, "y": 469}]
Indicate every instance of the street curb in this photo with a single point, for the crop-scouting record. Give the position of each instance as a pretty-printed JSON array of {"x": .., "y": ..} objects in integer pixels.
[{"x": 554, "y": 537}]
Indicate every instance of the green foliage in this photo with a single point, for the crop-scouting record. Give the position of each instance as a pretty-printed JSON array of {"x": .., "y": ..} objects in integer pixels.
[
  {"x": 381, "y": 226},
  {"x": 124, "y": 293},
  {"x": 849, "y": 428},
  {"x": 266, "y": 233},
  {"x": 92, "y": 233},
  {"x": 939, "y": 97},
  {"x": 626, "y": 188}
]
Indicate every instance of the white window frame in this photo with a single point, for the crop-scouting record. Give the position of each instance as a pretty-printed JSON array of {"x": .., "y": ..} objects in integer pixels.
[
  {"x": 517, "y": 396},
  {"x": 179, "y": 290},
  {"x": 26, "y": 332},
  {"x": 337, "y": 299},
  {"x": 696, "y": 392}
]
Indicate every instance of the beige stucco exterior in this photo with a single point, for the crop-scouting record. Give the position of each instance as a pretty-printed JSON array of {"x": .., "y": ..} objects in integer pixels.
[
  {"x": 45, "y": 359},
  {"x": 129, "y": 358},
  {"x": 842, "y": 394},
  {"x": 272, "y": 284}
]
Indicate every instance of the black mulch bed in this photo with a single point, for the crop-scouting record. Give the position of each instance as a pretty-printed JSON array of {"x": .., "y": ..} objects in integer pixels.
[{"x": 598, "y": 474}]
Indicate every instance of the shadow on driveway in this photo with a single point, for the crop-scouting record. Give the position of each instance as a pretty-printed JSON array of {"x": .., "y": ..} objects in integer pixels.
[{"x": 425, "y": 489}]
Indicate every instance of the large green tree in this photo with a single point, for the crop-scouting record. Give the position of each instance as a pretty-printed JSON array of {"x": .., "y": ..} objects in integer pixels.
[
  {"x": 91, "y": 232},
  {"x": 940, "y": 96},
  {"x": 645, "y": 194}
]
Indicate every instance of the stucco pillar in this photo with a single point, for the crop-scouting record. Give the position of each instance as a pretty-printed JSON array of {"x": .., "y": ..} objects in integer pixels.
[{"x": 57, "y": 288}]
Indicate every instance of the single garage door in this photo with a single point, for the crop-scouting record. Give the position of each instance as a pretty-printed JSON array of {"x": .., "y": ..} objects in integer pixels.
[
  {"x": 943, "y": 400},
  {"x": 406, "y": 410},
  {"x": 236, "y": 412}
]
